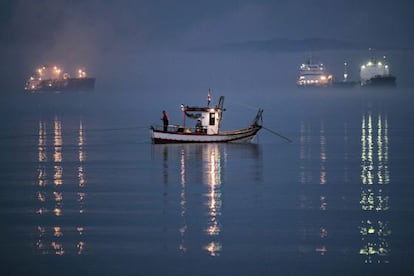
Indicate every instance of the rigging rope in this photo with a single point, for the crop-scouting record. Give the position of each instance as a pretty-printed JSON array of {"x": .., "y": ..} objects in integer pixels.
[{"x": 278, "y": 134}]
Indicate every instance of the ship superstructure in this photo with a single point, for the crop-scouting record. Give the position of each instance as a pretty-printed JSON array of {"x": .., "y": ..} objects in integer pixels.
[
  {"x": 53, "y": 78},
  {"x": 376, "y": 73},
  {"x": 313, "y": 74}
]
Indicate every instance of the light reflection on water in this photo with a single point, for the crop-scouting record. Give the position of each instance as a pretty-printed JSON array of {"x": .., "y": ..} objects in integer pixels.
[
  {"x": 310, "y": 164},
  {"x": 198, "y": 174},
  {"x": 374, "y": 227},
  {"x": 52, "y": 195},
  {"x": 202, "y": 164},
  {"x": 212, "y": 169},
  {"x": 375, "y": 178}
]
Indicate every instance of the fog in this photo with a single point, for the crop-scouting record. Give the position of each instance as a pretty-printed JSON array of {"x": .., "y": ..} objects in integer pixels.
[{"x": 153, "y": 48}]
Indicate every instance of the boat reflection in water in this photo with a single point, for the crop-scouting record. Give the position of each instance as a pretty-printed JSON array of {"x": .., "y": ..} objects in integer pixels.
[
  {"x": 201, "y": 173},
  {"x": 375, "y": 178},
  {"x": 52, "y": 195}
]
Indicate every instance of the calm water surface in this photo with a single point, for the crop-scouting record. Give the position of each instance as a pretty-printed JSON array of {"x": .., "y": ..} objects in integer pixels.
[{"x": 83, "y": 191}]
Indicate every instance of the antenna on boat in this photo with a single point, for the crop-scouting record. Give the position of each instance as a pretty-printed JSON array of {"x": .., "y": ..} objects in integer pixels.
[
  {"x": 221, "y": 103},
  {"x": 220, "y": 109},
  {"x": 208, "y": 97}
]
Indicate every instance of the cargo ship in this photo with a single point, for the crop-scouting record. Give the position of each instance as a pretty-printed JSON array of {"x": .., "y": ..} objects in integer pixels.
[
  {"x": 376, "y": 73},
  {"x": 345, "y": 82},
  {"x": 53, "y": 79}
]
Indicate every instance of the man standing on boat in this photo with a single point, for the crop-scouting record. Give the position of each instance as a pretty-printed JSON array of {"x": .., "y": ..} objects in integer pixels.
[{"x": 165, "y": 120}]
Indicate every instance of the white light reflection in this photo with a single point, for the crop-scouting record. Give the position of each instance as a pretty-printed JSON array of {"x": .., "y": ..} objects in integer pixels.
[
  {"x": 212, "y": 167},
  {"x": 375, "y": 177},
  {"x": 210, "y": 158}
]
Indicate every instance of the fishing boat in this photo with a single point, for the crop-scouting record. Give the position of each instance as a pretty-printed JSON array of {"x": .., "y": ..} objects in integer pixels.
[{"x": 207, "y": 128}]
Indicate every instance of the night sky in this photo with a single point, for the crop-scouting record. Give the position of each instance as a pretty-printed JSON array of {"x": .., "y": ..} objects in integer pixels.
[{"x": 106, "y": 36}]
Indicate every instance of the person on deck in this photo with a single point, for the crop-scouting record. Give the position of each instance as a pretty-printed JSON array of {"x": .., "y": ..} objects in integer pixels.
[
  {"x": 165, "y": 120},
  {"x": 198, "y": 126}
]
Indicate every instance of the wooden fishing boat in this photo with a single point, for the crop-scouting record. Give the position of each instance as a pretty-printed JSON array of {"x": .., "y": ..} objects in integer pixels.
[{"x": 207, "y": 128}]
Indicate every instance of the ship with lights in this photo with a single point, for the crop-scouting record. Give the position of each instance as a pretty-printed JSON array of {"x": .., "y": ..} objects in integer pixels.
[
  {"x": 345, "y": 82},
  {"x": 54, "y": 79},
  {"x": 313, "y": 74},
  {"x": 376, "y": 73}
]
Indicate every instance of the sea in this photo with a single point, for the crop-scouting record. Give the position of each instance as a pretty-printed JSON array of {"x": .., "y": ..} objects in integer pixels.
[{"x": 326, "y": 188}]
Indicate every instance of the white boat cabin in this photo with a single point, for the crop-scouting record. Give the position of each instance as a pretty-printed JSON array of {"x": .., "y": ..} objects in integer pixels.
[{"x": 207, "y": 119}]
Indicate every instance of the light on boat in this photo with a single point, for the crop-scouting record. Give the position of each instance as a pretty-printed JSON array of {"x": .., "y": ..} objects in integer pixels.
[{"x": 81, "y": 73}]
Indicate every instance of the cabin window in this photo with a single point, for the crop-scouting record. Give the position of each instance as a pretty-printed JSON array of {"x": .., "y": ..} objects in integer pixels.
[{"x": 212, "y": 119}]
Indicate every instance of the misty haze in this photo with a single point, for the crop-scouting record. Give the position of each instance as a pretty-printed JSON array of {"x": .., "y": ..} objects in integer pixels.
[{"x": 323, "y": 188}]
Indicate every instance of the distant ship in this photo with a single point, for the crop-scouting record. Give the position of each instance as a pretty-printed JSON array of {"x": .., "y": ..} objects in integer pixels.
[
  {"x": 53, "y": 79},
  {"x": 345, "y": 82},
  {"x": 313, "y": 74},
  {"x": 376, "y": 73}
]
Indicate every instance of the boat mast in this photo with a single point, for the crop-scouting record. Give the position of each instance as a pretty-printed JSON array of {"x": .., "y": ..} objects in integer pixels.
[
  {"x": 208, "y": 97},
  {"x": 220, "y": 110},
  {"x": 345, "y": 71}
]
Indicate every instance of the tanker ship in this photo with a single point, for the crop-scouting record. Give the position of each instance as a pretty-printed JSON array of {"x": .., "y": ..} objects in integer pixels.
[{"x": 53, "y": 79}]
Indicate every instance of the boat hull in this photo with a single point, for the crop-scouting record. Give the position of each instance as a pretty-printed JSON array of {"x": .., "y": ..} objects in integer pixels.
[
  {"x": 380, "y": 81},
  {"x": 60, "y": 85},
  {"x": 238, "y": 136}
]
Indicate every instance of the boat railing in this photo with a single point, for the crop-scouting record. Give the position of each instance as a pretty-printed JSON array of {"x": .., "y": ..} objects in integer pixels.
[{"x": 181, "y": 129}]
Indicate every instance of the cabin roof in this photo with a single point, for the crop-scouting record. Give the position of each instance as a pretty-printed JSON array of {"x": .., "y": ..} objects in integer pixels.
[{"x": 200, "y": 109}]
